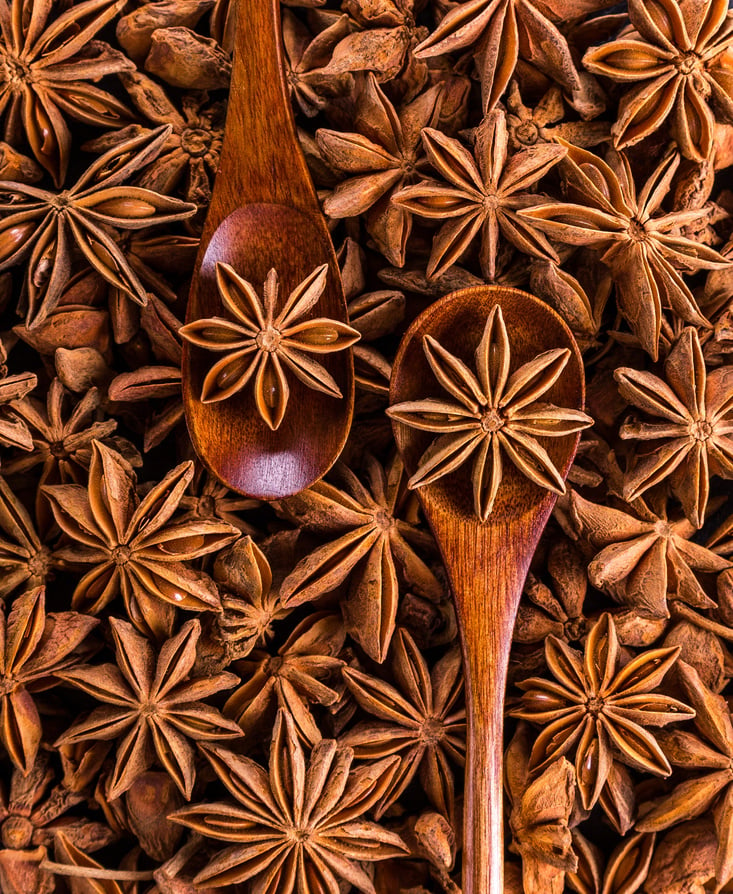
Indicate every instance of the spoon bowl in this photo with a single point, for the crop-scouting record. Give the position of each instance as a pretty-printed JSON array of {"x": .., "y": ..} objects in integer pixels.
[
  {"x": 263, "y": 215},
  {"x": 487, "y": 562}
]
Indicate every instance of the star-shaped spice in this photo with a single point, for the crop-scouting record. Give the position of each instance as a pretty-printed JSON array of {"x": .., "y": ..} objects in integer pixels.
[
  {"x": 150, "y": 701},
  {"x": 34, "y": 649},
  {"x": 46, "y": 66},
  {"x": 711, "y": 792},
  {"x": 136, "y": 547},
  {"x": 422, "y": 720},
  {"x": 643, "y": 248},
  {"x": 384, "y": 156},
  {"x": 647, "y": 559},
  {"x": 369, "y": 538},
  {"x": 600, "y": 709},
  {"x": 40, "y": 228},
  {"x": 499, "y": 31},
  {"x": 483, "y": 195},
  {"x": 494, "y": 413},
  {"x": 300, "y": 823},
  {"x": 260, "y": 344},
  {"x": 673, "y": 55},
  {"x": 691, "y": 435}
]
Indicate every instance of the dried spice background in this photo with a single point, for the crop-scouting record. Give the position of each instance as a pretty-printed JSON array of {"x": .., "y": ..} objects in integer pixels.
[{"x": 199, "y": 692}]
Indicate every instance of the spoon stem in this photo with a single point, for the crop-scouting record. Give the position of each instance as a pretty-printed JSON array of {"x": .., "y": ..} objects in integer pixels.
[
  {"x": 486, "y": 605},
  {"x": 260, "y": 113}
]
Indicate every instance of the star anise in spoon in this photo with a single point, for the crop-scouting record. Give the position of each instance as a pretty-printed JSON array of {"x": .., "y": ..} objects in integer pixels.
[{"x": 494, "y": 413}]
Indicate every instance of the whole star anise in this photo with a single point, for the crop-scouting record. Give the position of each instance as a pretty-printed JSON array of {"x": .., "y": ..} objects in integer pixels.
[
  {"x": 675, "y": 54},
  {"x": 600, "y": 709},
  {"x": 136, "y": 547},
  {"x": 152, "y": 703},
  {"x": 298, "y": 821},
  {"x": 261, "y": 344},
  {"x": 494, "y": 413}
]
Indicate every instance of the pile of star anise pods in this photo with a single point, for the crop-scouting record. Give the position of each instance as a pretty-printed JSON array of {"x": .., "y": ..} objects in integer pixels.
[{"x": 201, "y": 692}]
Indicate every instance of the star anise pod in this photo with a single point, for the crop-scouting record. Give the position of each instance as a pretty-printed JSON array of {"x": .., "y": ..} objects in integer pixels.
[
  {"x": 540, "y": 816},
  {"x": 675, "y": 54},
  {"x": 301, "y": 674},
  {"x": 499, "y": 31},
  {"x": 45, "y": 70},
  {"x": 691, "y": 431},
  {"x": 137, "y": 547},
  {"x": 483, "y": 194},
  {"x": 368, "y": 540},
  {"x": 260, "y": 344},
  {"x": 41, "y": 228},
  {"x": 36, "y": 649},
  {"x": 494, "y": 413},
  {"x": 599, "y": 709},
  {"x": 544, "y": 121},
  {"x": 385, "y": 155},
  {"x": 299, "y": 820},
  {"x": 33, "y": 810},
  {"x": 422, "y": 720},
  {"x": 646, "y": 559},
  {"x": 643, "y": 249},
  {"x": 149, "y": 699}
]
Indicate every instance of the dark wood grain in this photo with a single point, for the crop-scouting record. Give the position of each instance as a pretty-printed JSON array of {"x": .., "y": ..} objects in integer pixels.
[
  {"x": 487, "y": 563},
  {"x": 264, "y": 213}
]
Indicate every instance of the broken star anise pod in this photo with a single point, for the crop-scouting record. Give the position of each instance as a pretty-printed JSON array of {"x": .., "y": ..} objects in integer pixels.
[
  {"x": 40, "y": 228},
  {"x": 45, "y": 70},
  {"x": 483, "y": 194},
  {"x": 296, "y": 821},
  {"x": 494, "y": 413},
  {"x": 692, "y": 428},
  {"x": 261, "y": 345},
  {"x": 35, "y": 648},
  {"x": 135, "y": 546},
  {"x": 675, "y": 57},
  {"x": 151, "y": 706},
  {"x": 599, "y": 709}
]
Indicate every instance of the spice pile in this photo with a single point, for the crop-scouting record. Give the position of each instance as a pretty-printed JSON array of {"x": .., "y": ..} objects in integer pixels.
[{"x": 203, "y": 692}]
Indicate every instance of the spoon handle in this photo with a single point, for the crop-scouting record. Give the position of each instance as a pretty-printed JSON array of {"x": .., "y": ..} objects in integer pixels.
[
  {"x": 260, "y": 125},
  {"x": 487, "y": 566}
]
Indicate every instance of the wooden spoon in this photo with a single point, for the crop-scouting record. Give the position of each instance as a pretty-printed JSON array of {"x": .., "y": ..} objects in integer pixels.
[
  {"x": 487, "y": 562},
  {"x": 264, "y": 214}
]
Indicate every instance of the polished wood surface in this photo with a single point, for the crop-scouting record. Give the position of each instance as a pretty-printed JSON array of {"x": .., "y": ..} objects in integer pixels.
[
  {"x": 264, "y": 213},
  {"x": 487, "y": 563}
]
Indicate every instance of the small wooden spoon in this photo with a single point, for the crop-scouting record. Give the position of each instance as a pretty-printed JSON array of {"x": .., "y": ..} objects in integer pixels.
[
  {"x": 264, "y": 214},
  {"x": 487, "y": 562}
]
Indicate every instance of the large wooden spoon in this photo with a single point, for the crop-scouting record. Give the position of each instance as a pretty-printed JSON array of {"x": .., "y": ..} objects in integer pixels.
[
  {"x": 487, "y": 562},
  {"x": 264, "y": 214}
]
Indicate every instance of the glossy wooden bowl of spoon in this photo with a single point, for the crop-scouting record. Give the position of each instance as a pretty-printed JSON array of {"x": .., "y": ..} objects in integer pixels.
[
  {"x": 487, "y": 560},
  {"x": 264, "y": 215}
]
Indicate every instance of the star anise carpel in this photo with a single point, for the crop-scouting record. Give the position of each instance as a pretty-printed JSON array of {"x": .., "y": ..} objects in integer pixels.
[
  {"x": 482, "y": 195},
  {"x": 262, "y": 343},
  {"x": 153, "y": 704},
  {"x": 600, "y": 709},
  {"x": 495, "y": 413},
  {"x": 690, "y": 431},
  {"x": 40, "y": 228},
  {"x": 136, "y": 547},
  {"x": 674, "y": 53},
  {"x": 297, "y": 820},
  {"x": 45, "y": 69}
]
